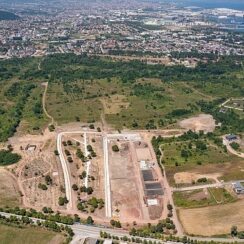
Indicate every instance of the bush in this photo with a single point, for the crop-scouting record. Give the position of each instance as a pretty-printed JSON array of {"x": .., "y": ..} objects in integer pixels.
[
  {"x": 89, "y": 220},
  {"x": 42, "y": 186},
  {"x": 115, "y": 148},
  {"x": 235, "y": 145},
  {"x": 62, "y": 201}
]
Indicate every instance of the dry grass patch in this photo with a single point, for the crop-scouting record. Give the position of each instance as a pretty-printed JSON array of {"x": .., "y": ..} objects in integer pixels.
[
  {"x": 213, "y": 220},
  {"x": 114, "y": 104},
  {"x": 29, "y": 235},
  {"x": 9, "y": 191}
]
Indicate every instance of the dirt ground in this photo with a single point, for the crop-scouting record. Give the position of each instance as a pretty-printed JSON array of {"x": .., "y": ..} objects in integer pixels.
[
  {"x": 96, "y": 167},
  {"x": 36, "y": 163},
  {"x": 214, "y": 220},
  {"x": 200, "y": 195},
  {"x": 10, "y": 194},
  {"x": 124, "y": 187},
  {"x": 188, "y": 178},
  {"x": 204, "y": 122}
]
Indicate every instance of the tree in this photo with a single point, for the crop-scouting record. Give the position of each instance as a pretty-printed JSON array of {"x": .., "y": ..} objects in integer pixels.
[
  {"x": 115, "y": 148},
  {"x": 62, "y": 201},
  {"x": 48, "y": 180},
  {"x": 75, "y": 187},
  {"x": 7, "y": 157},
  {"x": 184, "y": 153},
  {"x": 89, "y": 190},
  {"x": 42, "y": 186},
  {"x": 235, "y": 145},
  {"x": 234, "y": 231},
  {"x": 83, "y": 175},
  {"x": 89, "y": 220}
]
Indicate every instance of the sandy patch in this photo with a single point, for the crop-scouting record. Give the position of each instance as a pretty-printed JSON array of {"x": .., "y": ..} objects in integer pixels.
[
  {"x": 204, "y": 122},
  {"x": 188, "y": 178}
]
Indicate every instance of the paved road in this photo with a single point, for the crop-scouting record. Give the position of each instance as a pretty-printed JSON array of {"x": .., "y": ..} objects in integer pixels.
[
  {"x": 83, "y": 231},
  {"x": 65, "y": 166},
  {"x": 107, "y": 187}
]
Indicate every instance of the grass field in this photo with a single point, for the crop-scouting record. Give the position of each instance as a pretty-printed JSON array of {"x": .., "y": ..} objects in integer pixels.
[
  {"x": 82, "y": 88},
  {"x": 213, "y": 220},
  {"x": 122, "y": 103},
  {"x": 9, "y": 192},
  {"x": 231, "y": 169},
  {"x": 204, "y": 158},
  {"x": 28, "y": 235},
  {"x": 202, "y": 198},
  {"x": 33, "y": 123},
  {"x": 213, "y": 154}
]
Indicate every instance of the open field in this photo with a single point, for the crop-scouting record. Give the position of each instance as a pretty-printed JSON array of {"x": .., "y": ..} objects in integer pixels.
[
  {"x": 85, "y": 87},
  {"x": 9, "y": 190},
  {"x": 136, "y": 180},
  {"x": 28, "y": 235},
  {"x": 34, "y": 120},
  {"x": 114, "y": 104},
  {"x": 38, "y": 162},
  {"x": 202, "y": 197},
  {"x": 124, "y": 184},
  {"x": 231, "y": 169},
  {"x": 213, "y": 220},
  {"x": 212, "y": 154},
  {"x": 119, "y": 101},
  {"x": 187, "y": 178},
  {"x": 202, "y": 122}
]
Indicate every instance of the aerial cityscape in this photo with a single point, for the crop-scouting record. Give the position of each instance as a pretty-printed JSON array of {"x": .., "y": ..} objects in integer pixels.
[{"x": 121, "y": 121}]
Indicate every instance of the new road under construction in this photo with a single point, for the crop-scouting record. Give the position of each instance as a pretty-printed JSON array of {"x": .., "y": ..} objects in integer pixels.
[{"x": 128, "y": 177}]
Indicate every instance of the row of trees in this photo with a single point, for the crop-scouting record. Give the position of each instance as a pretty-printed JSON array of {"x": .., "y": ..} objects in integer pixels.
[{"x": 21, "y": 222}]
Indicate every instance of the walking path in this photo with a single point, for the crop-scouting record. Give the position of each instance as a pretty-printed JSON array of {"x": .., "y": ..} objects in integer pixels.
[{"x": 45, "y": 84}]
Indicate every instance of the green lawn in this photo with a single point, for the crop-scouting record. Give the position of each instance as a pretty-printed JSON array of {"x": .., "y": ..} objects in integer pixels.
[{"x": 28, "y": 235}]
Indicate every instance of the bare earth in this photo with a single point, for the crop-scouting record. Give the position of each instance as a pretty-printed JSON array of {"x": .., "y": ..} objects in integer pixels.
[
  {"x": 214, "y": 220},
  {"x": 204, "y": 122},
  {"x": 188, "y": 178},
  {"x": 9, "y": 191}
]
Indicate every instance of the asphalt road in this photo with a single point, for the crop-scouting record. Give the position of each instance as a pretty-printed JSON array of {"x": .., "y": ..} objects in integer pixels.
[{"x": 83, "y": 231}]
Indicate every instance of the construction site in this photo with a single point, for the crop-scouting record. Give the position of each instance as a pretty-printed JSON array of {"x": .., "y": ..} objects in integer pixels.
[{"x": 79, "y": 164}]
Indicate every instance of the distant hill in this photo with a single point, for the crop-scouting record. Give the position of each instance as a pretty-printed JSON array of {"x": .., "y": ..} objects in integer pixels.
[{"x": 4, "y": 15}]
